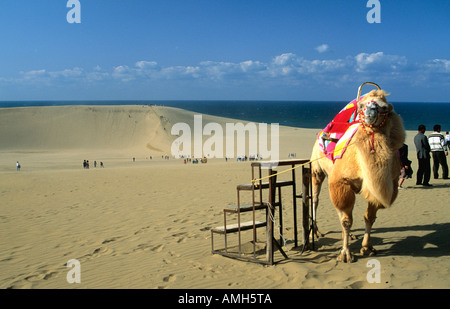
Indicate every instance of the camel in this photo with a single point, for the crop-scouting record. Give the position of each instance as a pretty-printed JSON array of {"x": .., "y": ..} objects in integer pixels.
[{"x": 370, "y": 166}]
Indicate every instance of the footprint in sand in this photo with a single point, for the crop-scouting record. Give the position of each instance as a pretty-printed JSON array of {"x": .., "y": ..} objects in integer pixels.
[
  {"x": 100, "y": 251},
  {"x": 21, "y": 285},
  {"x": 174, "y": 254},
  {"x": 158, "y": 248},
  {"x": 27, "y": 282},
  {"x": 145, "y": 247},
  {"x": 96, "y": 253},
  {"x": 167, "y": 261},
  {"x": 110, "y": 240},
  {"x": 170, "y": 278}
]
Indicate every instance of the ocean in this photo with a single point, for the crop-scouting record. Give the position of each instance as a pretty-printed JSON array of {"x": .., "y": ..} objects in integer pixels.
[{"x": 301, "y": 114}]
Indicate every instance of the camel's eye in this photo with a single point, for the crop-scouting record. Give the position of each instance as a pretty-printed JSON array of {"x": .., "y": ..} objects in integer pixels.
[{"x": 385, "y": 108}]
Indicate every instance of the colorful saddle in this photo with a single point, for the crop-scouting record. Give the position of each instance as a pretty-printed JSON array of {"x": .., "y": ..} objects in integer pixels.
[{"x": 336, "y": 136}]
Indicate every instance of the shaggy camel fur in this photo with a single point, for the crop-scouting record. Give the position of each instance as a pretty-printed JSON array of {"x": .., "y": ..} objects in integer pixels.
[{"x": 370, "y": 166}]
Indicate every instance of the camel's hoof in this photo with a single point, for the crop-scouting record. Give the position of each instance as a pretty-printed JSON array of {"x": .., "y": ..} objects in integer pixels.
[
  {"x": 319, "y": 234},
  {"x": 316, "y": 235},
  {"x": 370, "y": 251},
  {"x": 346, "y": 256}
]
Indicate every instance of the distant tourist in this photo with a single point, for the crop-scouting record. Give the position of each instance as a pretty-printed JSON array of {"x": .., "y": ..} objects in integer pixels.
[
  {"x": 423, "y": 156},
  {"x": 101, "y": 164},
  {"x": 447, "y": 140},
  {"x": 438, "y": 151},
  {"x": 18, "y": 166}
]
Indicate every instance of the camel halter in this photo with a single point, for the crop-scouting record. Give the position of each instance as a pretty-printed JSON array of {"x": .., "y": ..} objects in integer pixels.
[{"x": 362, "y": 116}]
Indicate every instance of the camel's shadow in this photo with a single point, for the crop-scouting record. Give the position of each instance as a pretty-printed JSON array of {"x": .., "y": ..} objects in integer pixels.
[{"x": 433, "y": 244}]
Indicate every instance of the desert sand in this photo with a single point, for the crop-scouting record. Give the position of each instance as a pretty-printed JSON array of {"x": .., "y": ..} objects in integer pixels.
[{"x": 145, "y": 223}]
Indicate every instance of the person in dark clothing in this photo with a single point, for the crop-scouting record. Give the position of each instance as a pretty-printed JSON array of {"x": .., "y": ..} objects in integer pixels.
[
  {"x": 423, "y": 156},
  {"x": 405, "y": 171}
]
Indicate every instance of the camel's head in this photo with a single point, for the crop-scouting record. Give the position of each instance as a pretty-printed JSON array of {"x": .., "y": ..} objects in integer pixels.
[{"x": 374, "y": 109}]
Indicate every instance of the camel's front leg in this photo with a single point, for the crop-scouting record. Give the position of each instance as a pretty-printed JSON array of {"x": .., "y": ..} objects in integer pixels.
[
  {"x": 346, "y": 223},
  {"x": 369, "y": 219},
  {"x": 343, "y": 199}
]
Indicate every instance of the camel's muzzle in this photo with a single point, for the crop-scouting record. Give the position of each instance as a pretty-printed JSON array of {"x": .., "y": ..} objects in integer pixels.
[
  {"x": 371, "y": 113},
  {"x": 374, "y": 115}
]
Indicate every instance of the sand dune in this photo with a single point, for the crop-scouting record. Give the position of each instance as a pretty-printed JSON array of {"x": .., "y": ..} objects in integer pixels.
[
  {"x": 82, "y": 127},
  {"x": 125, "y": 130},
  {"x": 146, "y": 224}
]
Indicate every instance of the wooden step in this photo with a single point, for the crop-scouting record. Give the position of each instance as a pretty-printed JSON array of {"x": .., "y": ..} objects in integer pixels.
[
  {"x": 264, "y": 185},
  {"x": 232, "y": 228},
  {"x": 246, "y": 207}
]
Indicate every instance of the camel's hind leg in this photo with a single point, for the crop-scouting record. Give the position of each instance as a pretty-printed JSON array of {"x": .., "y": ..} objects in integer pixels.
[
  {"x": 343, "y": 199},
  {"x": 318, "y": 177}
]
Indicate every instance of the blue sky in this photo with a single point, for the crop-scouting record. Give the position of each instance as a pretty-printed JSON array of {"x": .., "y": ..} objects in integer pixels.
[{"x": 223, "y": 50}]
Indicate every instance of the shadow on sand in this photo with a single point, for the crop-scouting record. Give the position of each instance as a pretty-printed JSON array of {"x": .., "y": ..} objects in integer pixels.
[{"x": 433, "y": 244}]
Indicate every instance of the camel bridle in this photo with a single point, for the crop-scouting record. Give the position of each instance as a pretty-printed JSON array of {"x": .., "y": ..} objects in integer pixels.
[
  {"x": 362, "y": 113},
  {"x": 374, "y": 125}
]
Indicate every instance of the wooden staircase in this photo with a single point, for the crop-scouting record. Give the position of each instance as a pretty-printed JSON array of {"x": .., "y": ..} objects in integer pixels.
[{"x": 260, "y": 214}]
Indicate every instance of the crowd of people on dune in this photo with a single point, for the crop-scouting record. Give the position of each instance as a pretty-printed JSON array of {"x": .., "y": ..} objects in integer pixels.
[{"x": 86, "y": 164}]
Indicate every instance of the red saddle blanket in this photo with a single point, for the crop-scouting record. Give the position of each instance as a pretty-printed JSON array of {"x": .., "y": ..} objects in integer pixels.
[{"x": 334, "y": 139}]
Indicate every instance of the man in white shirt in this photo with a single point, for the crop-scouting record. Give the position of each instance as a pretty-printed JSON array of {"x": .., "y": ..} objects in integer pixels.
[{"x": 439, "y": 152}]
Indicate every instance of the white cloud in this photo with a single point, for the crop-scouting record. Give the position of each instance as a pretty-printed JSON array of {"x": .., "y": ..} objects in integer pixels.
[
  {"x": 145, "y": 65},
  {"x": 286, "y": 69},
  {"x": 322, "y": 48},
  {"x": 123, "y": 72},
  {"x": 34, "y": 74},
  {"x": 379, "y": 62},
  {"x": 285, "y": 59},
  {"x": 67, "y": 73},
  {"x": 438, "y": 65},
  {"x": 252, "y": 66}
]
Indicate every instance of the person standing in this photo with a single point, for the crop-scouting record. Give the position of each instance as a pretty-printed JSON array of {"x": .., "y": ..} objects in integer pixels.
[
  {"x": 439, "y": 151},
  {"x": 405, "y": 170},
  {"x": 447, "y": 140},
  {"x": 18, "y": 166},
  {"x": 423, "y": 156}
]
